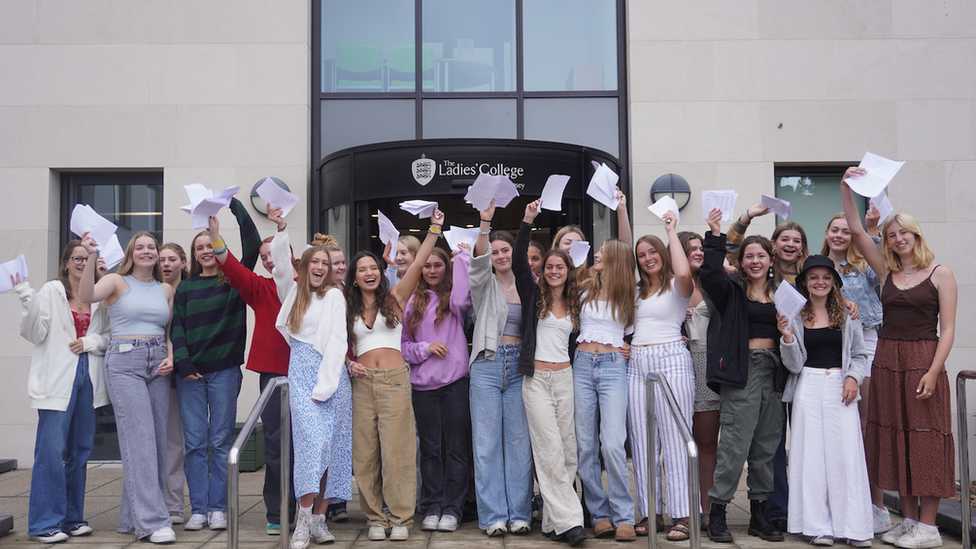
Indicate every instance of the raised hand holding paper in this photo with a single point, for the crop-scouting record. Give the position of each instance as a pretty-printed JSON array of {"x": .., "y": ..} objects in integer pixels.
[
  {"x": 778, "y": 206},
  {"x": 578, "y": 251},
  {"x": 603, "y": 185},
  {"x": 112, "y": 252},
  {"x": 663, "y": 206},
  {"x": 552, "y": 193},
  {"x": 388, "y": 233},
  {"x": 460, "y": 235},
  {"x": 722, "y": 200},
  {"x": 11, "y": 268},
  {"x": 85, "y": 219},
  {"x": 880, "y": 172},
  {"x": 487, "y": 187},
  {"x": 419, "y": 208},
  {"x": 271, "y": 193},
  {"x": 883, "y": 204},
  {"x": 788, "y": 301},
  {"x": 205, "y": 203}
]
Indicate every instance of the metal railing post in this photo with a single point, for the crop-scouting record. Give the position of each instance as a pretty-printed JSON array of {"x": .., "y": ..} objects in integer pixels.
[
  {"x": 234, "y": 459},
  {"x": 962, "y": 441},
  {"x": 694, "y": 517}
]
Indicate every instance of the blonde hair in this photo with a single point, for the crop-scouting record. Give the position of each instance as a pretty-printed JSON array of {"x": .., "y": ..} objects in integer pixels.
[
  {"x": 617, "y": 278},
  {"x": 923, "y": 254},
  {"x": 855, "y": 259},
  {"x": 411, "y": 242},
  {"x": 304, "y": 297},
  {"x": 129, "y": 264}
]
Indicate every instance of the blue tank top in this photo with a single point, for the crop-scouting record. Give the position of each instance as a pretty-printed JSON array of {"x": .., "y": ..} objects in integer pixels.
[{"x": 142, "y": 310}]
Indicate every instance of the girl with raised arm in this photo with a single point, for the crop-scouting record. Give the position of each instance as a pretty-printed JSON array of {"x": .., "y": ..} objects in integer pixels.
[
  {"x": 664, "y": 288},
  {"x": 66, "y": 384},
  {"x": 909, "y": 436},
  {"x": 384, "y": 435},
  {"x": 138, "y": 360},
  {"x": 312, "y": 319}
]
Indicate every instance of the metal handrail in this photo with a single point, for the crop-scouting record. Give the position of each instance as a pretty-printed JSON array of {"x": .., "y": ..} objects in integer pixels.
[
  {"x": 694, "y": 518},
  {"x": 234, "y": 466},
  {"x": 962, "y": 441}
]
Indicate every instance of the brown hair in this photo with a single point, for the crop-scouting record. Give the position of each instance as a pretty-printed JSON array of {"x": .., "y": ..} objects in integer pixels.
[
  {"x": 617, "y": 279},
  {"x": 836, "y": 309},
  {"x": 772, "y": 281},
  {"x": 685, "y": 237},
  {"x": 355, "y": 308},
  {"x": 421, "y": 297},
  {"x": 304, "y": 297},
  {"x": 179, "y": 252},
  {"x": 800, "y": 257},
  {"x": 196, "y": 269},
  {"x": 128, "y": 263},
  {"x": 69, "y": 249},
  {"x": 294, "y": 260},
  {"x": 570, "y": 290},
  {"x": 667, "y": 270}
]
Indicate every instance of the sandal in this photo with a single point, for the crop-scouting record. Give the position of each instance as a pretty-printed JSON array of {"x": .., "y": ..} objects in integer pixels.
[
  {"x": 705, "y": 521},
  {"x": 641, "y": 528},
  {"x": 680, "y": 530}
]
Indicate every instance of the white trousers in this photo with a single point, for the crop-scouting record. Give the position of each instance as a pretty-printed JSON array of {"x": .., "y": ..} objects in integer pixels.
[
  {"x": 674, "y": 361},
  {"x": 829, "y": 493},
  {"x": 549, "y": 405}
]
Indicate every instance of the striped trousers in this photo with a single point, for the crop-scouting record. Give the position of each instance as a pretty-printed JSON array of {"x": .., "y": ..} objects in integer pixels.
[{"x": 674, "y": 361}]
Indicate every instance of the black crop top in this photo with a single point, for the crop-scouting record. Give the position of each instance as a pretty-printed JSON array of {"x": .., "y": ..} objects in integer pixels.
[
  {"x": 762, "y": 320},
  {"x": 823, "y": 347}
]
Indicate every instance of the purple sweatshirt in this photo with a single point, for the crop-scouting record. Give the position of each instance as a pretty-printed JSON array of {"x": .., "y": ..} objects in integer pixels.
[{"x": 429, "y": 371}]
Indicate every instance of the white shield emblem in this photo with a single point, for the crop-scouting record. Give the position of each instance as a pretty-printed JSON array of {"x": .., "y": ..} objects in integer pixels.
[{"x": 423, "y": 169}]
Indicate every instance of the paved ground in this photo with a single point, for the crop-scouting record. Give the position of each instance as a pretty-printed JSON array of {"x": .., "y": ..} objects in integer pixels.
[{"x": 105, "y": 487}]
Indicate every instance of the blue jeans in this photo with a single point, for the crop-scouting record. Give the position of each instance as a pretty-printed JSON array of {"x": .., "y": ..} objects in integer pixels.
[
  {"x": 209, "y": 409},
  {"x": 600, "y": 386},
  {"x": 64, "y": 442},
  {"x": 500, "y": 432}
]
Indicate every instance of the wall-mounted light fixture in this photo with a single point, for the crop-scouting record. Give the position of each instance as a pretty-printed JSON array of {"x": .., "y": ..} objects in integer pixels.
[
  {"x": 673, "y": 185},
  {"x": 256, "y": 201}
]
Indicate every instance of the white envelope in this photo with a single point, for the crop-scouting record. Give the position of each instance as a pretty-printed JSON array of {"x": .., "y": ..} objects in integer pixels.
[
  {"x": 788, "y": 301},
  {"x": 487, "y": 187},
  {"x": 271, "y": 193},
  {"x": 85, "y": 219},
  {"x": 602, "y": 186},
  {"x": 419, "y": 208},
  {"x": 663, "y": 206},
  {"x": 552, "y": 193},
  {"x": 9, "y": 269},
  {"x": 880, "y": 172},
  {"x": 723, "y": 200},
  {"x": 778, "y": 206},
  {"x": 578, "y": 251},
  {"x": 388, "y": 233},
  {"x": 112, "y": 252},
  {"x": 458, "y": 235}
]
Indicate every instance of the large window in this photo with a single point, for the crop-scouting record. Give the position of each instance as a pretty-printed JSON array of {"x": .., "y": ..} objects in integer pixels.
[
  {"x": 570, "y": 45},
  {"x": 368, "y": 46},
  {"x": 473, "y": 44},
  {"x": 814, "y": 197}
]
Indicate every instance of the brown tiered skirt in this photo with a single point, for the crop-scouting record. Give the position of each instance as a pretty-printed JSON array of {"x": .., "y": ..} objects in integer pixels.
[{"x": 909, "y": 441}]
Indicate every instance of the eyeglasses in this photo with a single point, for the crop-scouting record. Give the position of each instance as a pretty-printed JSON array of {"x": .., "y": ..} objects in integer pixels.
[{"x": 78, "y": 260}]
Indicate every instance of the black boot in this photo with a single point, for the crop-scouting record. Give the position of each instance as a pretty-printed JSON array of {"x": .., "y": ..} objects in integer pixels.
[
  {"x": 759, "y": 525},
  {"x": 718, "y": 530}
]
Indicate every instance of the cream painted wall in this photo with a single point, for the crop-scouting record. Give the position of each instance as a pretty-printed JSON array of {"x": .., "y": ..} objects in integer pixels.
[
  {"x": 722, "y": 92},
  {"x": 210, "y": 92}
]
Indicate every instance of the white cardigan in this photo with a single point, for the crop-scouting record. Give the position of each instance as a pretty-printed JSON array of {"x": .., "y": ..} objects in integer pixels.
[
  {"x": 46, "y": 322},
  {"x": 324, "y": 324},
  {"x": 854, "y": 354}
]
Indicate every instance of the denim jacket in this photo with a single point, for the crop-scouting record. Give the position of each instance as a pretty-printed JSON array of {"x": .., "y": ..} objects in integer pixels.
[{"x": 861, "y": 288}]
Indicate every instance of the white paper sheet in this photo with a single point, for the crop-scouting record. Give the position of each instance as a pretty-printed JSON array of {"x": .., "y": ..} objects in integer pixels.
[
  {"x": 112, "y": 252},
  {"x": 419, "y": 208},
  {"x": 552, "y": 193},
  {"x": 603, "y": 185},
  {"x": 204, "y": 203},
  {"x": 578, "y": 251},
  {"x": 883, "y": 204},
  {"x": 388, "y": 233},
  {"x": 271, "y": 193},
  {"x": 85, "y": 219},
  {"x": 459, "y": 235},
  {"x": 663, "y": 206},
  {"x": 788, "y": 301},
  {"x": 9, "y": 269},
  {"x": 487, "y": 187},
  {"x": 778, "y": 206},
  {"x": 880, "y": 172},
  {"x": 723, "y": 200}
]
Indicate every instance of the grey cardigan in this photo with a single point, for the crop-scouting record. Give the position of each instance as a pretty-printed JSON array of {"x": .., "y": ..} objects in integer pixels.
[
  {"x": 489, "y": 307},
  {"x": 853, "y": 351}
]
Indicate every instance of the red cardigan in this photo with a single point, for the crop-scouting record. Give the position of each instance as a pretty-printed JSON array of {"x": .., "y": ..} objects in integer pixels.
[{"x": 269, "y": 351}]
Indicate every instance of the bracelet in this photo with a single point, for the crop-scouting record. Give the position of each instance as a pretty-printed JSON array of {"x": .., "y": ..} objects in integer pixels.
[
  {"x": 434, "y": 230},
  {"x": 484, "y": 233},
  {"x": 486, "y": 221},
  {"x": 218, "y": 243},
  {"x": 221, "y": 251},
  {"x": 281, "y": 230}
]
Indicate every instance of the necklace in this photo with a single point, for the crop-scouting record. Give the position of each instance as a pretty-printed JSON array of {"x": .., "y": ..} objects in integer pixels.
[
  {"x": 508, "y": 289},
  {"x": 909, "y": 277},
  {"x": 141, "y": 279}
]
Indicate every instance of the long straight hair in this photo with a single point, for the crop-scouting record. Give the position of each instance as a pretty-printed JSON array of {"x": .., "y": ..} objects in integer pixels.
[
  {"x": 128, "y": 262},
  {"x": 686, "y": 237},
  {"x": 421, "y": 297},
  {"x": 388, "y": 306},
  {"x": 616, "y": 279},
  {"x": 196, "y": 269},
  {"x": 570, "y": 290},
  {"x": 305, "y": 290},
  {"x": 667, "y": 270},
  {"x": 772, "y": 280}
]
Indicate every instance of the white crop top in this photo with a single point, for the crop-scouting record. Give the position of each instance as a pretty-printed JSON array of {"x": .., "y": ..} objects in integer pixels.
[
  {"x": 597, "y": 325},
  {"x": 552, "y": 338},
  {"x": 379, "y": 337},
  {"x": 658, "y": 318}
]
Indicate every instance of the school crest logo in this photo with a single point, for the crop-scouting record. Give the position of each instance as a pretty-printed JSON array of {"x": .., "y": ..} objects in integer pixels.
[{"x": 423, "y": 169}]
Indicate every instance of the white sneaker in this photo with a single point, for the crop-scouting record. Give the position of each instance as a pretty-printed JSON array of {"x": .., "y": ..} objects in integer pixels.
[
  {"x": 448, "y": 523},
  {"x": 217, "y": 520},
  {"x": 163, "y": 535},
  {"x": 303, "y": 525},
  {"x": 196, "y": 522},
  {"x": 882, "y": 519},
  {"x": 430, "y": 523},
  {"x": 176, "y": 518},
  {"x": 899, "y": 530},
  {"x": 823, "y": 541},
  {"x": 860, "y": 544},
  {"x": 399, "y": 533},
  {"x": 80, "y": 530},
  {"x": 320, "y": 531},
  {"x": 496, "y": 529},
  {"x": 376, "y": 533},
  {"x": 919, "y": 536},
  {"x": 54, "y": 536},
  {"x": 520, "y": 527}
]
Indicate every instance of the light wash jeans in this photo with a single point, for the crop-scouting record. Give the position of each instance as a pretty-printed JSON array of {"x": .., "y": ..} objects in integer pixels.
[
  {"x": 64, "y": 442},
  {"x": 600, "y": 384},
  {"x": 500, "y": 432},
  {"x": 208, "y": 407}
]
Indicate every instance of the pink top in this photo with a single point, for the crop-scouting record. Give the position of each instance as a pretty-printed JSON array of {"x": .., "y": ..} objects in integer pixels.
[{"x": 82, "y": 320}]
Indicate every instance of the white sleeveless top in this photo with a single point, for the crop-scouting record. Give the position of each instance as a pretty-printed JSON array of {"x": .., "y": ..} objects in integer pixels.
[
  {"x": 658, "y": 318},
  {"x": 552, "y": 338},
  {"x": 379, "y": 337}
]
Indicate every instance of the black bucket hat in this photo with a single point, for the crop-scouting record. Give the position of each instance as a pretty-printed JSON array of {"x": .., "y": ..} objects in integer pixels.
[{"x": 817, "y": 261}]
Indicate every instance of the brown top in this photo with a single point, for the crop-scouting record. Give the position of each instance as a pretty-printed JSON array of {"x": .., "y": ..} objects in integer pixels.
[{"x": 911, "y": 314}]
